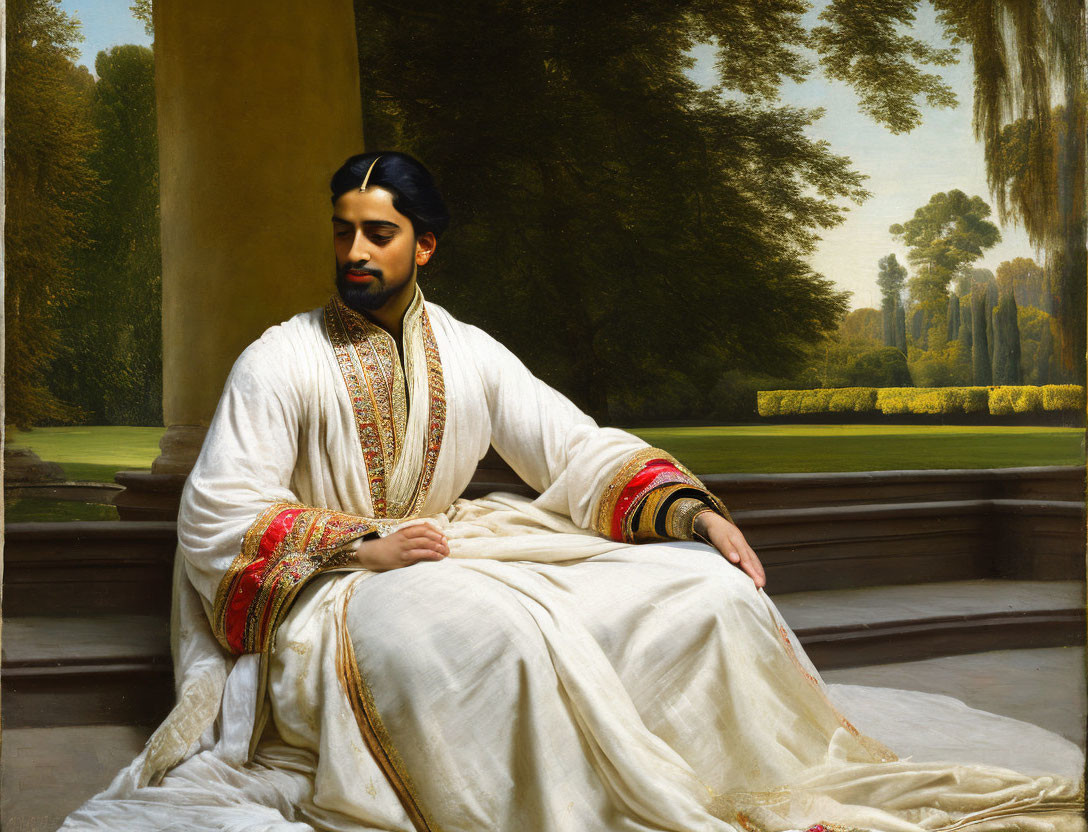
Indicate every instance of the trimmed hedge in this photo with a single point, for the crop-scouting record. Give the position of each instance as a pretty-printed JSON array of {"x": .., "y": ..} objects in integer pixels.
[
  {"x": 932, "y": 400},
  {"x": 822, "y": 400},
  {"x": 922, "y": 400},
  {"x": 1029, "y": 399}
]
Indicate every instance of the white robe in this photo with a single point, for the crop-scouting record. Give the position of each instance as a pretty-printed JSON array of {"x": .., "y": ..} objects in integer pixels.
[{"x": 543, "y": 677}]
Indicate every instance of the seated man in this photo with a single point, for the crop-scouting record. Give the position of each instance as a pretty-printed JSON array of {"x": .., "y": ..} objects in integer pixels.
[{"x": 400, "y": 659}]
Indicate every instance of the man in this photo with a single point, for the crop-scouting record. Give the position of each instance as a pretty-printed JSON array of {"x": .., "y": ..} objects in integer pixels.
[{"x": 402, "y": 659}]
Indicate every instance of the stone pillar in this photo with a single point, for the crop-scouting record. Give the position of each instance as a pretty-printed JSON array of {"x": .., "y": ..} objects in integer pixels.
[{"x": 258, "y": 103}]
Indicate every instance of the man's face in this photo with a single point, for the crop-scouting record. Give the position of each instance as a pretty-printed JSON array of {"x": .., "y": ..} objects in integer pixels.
[{"x": 376, "y": 249}]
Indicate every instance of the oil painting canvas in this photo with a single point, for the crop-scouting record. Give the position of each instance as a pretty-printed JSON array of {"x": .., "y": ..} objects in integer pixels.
[{"x": 544, "y": 416}]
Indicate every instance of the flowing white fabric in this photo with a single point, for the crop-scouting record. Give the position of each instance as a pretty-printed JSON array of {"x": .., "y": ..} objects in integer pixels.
[{"x": 542, "y": 678}]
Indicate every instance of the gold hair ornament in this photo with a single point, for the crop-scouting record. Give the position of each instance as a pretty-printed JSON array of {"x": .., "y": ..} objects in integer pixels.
[{"x": 367, "y": 177}]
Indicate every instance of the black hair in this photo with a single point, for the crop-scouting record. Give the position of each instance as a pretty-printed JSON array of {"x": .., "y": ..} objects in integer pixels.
[{"x": 414, "y": 192}]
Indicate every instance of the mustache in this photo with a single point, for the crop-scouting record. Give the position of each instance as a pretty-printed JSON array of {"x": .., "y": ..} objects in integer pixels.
[{"x": 360, "y": 266}]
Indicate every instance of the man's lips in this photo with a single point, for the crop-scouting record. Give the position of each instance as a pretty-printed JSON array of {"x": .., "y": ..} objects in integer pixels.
[{"x": 360, "y": 277}]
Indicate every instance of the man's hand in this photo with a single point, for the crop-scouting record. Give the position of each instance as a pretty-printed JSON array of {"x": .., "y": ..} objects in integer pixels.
[
  {"x": 729, "y": 540},
  {"x": 407, "y": 545}
]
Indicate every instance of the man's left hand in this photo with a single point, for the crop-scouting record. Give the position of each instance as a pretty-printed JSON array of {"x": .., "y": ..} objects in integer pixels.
[{"x": 729, "y": 540}]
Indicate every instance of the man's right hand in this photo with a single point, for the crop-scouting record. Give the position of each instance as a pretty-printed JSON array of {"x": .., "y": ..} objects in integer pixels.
[{"x": 407, "y": 545}]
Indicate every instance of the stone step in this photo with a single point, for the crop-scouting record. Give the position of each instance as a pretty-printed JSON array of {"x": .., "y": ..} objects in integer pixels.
[
  {"x": 85, "y": 568},
  {"x": 150, "y": 496},
  {"x": 875, "y": 625},
  {"x": 116, "y": 668}
]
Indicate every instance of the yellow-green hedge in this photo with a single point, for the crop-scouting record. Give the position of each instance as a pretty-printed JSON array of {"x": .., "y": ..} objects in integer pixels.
[
  {"x": 825, "y": 400},
  {"x": 931, "y": 400},
  {"x": 1028, "y": 399}
]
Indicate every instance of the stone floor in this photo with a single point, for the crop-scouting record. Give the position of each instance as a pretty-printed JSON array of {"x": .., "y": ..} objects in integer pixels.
[{"x": 48, "y": 772}]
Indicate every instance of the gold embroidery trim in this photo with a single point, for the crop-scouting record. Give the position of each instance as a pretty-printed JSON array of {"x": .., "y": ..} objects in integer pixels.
[
  {"x": 610, "y": 496},
  {"x": 377, "y": 390},
  {"x": 316, "y": 542},
  {"x": 436, "y": 416},
  {"x": 879, "y": 752},
  {"x": 373, "y": 729},
  {"x": 362, "y": 404}
]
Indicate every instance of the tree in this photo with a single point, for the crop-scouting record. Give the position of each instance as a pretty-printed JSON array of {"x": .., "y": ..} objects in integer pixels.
[
  {"x": 599, "y": 196},
  {"x": 862, "y": 325},
  {"x": 48, "y": 138},
  {"x": 1028, "y": 281},
  {"x": 966, "y": 322},
  {"x": 968, "y": 278},
  {"x": 880, "y": 367},
  {"x": 114, "y": 322},
  {"x": 1007, "y": 343},
  {"x": 944, "y": 235},
  {"x": 900, "y": 327},
  {"x": 918, "y": 324},
  {"x": 1038, "y": 333},
  {"x": 1030, "y": 112},
  {"x": 953, "y": 316},
  {"x": 981, "y": 367},
  {"x": 890, "y": 278}
]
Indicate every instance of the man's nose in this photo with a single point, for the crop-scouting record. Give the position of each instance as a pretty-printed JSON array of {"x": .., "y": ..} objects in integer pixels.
[{"x": 359, "y": 249}]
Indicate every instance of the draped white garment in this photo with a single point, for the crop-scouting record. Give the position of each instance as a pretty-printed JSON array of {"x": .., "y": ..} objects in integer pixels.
[{"x": 542, "y": 678}]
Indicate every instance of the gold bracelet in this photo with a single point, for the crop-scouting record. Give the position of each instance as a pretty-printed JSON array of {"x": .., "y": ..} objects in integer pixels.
[{"x": 680, "y": 519}]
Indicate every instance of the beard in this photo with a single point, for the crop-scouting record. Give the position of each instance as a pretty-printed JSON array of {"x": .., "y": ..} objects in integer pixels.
[{"x": 363, "y": 297}]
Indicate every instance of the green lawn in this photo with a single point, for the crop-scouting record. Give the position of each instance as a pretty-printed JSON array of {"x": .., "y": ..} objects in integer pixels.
[
  {"x": 97, "y": 453},
  {"x": 92, "y": 453},
  {"x": 775, "y": 449}
]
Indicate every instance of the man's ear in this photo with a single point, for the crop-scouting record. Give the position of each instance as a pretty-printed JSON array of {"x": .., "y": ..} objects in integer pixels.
[{"x": 425, "y": 245}]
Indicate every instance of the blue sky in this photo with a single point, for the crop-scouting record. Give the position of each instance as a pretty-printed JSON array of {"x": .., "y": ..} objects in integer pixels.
[
  {"x": 904, "y": 170},
  {"x": 106, "y": 23}
]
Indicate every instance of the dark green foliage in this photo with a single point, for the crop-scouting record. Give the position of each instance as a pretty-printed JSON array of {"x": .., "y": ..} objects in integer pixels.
[
  {"x": 966, "y": 322},
  {"x": 887, "y": 311},
  {"x": 115, "y": 322},
  {"x": 882, "y": 367},
  {"x": 944, "y": 235},
  {"x": 1007, "y": 343},
  {"x": 48, "y": 137},
  {"x": 1028, "y": 282},
  {"x": 603, "y": 206},
  {"x": 980, "y": 350},
  {"x": 918, "y": 328},
  {"x": 890, "y": 278},
  {"x": 901, "y": 328},
  {"x": 863, "y": 45},
  {"x": 953, "y": 317}
]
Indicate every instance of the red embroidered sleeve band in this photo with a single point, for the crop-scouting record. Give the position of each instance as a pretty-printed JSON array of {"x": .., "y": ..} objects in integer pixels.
[
  {"x": 652, "y": 498},
  {"x": 286, "y": 546}
]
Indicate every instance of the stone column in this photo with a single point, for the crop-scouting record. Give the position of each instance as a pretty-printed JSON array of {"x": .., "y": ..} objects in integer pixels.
[{"x": 258, "y": 103}]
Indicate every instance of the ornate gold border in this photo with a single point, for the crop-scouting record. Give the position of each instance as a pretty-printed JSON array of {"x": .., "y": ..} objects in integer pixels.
[
  {"x": 381, "y": 389},
  {"x": 606, "y": 504},
  {"x": 363, "y": 406},
  {"x": 371, "y": 726},
  {"x": 317, "y": 541}
]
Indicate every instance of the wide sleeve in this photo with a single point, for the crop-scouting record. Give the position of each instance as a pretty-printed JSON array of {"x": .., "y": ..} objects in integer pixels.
[
  {"x": 604, "y": 479},
  {"x": 248, "y": 543}
]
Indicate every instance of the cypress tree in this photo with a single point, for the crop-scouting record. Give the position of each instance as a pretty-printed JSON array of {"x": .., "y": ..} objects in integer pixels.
[
  {"x": 901, "y": 327},
  {"x": 1007, "y": 343},
  {"x": 888, "y": 320},
  {"x": 980, "y": 351},
  {"x": 918, "y": 328},
  {"x": 953, "y": 316}
]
